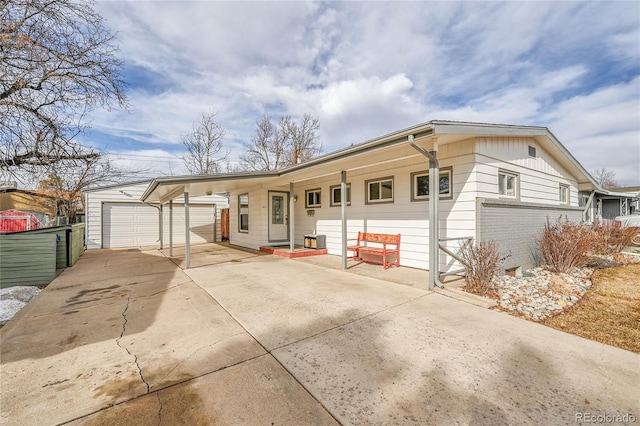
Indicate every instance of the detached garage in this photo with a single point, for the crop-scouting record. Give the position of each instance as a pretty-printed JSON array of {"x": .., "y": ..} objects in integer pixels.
[{"x": 116, "y": 218}]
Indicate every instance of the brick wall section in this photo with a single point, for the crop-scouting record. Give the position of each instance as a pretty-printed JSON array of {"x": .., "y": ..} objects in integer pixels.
[{"x": 515, "y": 226}]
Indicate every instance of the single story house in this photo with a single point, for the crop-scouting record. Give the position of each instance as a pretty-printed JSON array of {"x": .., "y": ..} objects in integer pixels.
[
  {"x": 116, "y": 217},
  {"x": 495, "y": 182}
]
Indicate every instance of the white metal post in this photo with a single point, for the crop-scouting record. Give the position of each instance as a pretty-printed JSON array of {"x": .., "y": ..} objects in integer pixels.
[
  {"x": 291, "y": 219},
  {"x": 343, "y": 214},
  {"x": 170, "y": 228},
  {"x": 187, "y": 232}
]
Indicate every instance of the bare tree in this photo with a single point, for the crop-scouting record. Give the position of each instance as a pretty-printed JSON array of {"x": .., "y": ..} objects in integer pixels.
[
  {"x": 58, "y": 62},
  {"x": 276, "y": 146},
  {"x": 67, "y": 183},
  {"x": 305, "y": 143},
  {"x": 605, "y": 178},
  {"x": 268, "y": 148},
  {"x": 205, "y": 152}
]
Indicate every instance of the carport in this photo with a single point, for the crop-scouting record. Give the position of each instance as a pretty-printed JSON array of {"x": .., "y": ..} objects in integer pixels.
[{"x": 419, "y": 143}]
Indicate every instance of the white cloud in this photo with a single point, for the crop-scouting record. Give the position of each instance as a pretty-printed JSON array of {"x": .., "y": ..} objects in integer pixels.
[{"x": 369, "y": 69}]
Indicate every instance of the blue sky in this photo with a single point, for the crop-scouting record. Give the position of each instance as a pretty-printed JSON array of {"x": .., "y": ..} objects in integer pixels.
[{"x": 370, "y": 68}]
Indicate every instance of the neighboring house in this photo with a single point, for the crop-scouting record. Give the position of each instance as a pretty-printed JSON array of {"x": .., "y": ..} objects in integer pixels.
[
  {"x": 43, "y": 207},
  {"x": 115, "y": 217},
  {"x": 607, "y": 204},
  {"x": 496, "y": 182}
]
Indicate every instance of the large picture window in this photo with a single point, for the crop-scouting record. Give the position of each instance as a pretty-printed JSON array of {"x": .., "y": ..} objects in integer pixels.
[
  {"x": 336, "y": 195},
  {"x": 379, "y": 190},
  {"x": 313, "y": 198},
  {"x": 243, "y": 213},
  {"x": 507, "y": 184},
  {"x": 420, "y": 185}
]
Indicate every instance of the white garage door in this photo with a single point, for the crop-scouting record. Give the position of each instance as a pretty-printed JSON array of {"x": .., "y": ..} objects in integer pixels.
[
  {"x": 202, "y": 219},
  {"x": 129, "y": 225}
]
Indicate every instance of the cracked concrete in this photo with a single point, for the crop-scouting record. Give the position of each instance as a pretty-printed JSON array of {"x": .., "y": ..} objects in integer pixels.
[
  {"x": 252, "y": 343},
  {"x": 124, "y": 330}
]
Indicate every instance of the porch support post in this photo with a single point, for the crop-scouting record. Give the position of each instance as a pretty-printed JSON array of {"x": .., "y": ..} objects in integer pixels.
[
  {"x": 292, "y": 234},
  {"x": 343, "y": 215},
  {"x": 434, "y": 228},
  {"x": 161, "y": 225},
  {"x": 187, "y": 231},
  {"x": 170, "y": 228}
]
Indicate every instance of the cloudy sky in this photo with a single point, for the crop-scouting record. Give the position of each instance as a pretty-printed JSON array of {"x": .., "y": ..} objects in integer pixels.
[{"x": 370, "y": 68}]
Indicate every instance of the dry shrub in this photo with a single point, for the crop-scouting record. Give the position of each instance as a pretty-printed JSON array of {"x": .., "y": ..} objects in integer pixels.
[
  {"x": 610, "y": 237},
  {"x": 564, "y": 245},
  {"x": 481, "y": 263}
]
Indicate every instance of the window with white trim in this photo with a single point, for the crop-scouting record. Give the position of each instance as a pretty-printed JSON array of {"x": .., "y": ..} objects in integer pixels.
[
  {"x": 313, "y": 198},
  {"x": 507, "y": 184},
  {"x": 532, "y": 151},
  {"x": 420, "y": 185},
  {"x": 243, "y": 213},
  {"x": 564, "y": 194},
  {"x": 379, "y": 190},
  {"x": 336, "y": 199}
]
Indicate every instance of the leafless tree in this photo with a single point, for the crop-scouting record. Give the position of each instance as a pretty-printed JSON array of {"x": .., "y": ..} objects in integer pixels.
[
  {"x": 58, "y": 62},
  {"x": 605, "y": 178},
  {"x": 268, "y": 147},
  {"x": 276, "y": 146},
  {"x": 67, "y": 183},
  {"x": 206, "y": 153},
  {"x": 305, "y": 143}
]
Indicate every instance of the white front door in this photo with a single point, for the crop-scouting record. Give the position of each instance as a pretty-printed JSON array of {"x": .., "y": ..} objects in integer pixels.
[{"x": 278, "y": 216}]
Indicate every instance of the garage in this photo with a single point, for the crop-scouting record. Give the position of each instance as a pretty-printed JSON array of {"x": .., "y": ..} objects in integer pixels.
[
  {"x": 129, "y": 224},
  {"x": 116, "y": 218}
]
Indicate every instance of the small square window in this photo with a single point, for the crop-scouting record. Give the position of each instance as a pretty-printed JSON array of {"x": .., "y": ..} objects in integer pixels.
[
  {"x": 564, "y": 194},
  {"x": 532, "y": 151},
  {"x": 336, "y": 199},
  {"x": 313, "y": 198},
  {"x": 420, "y": 185},
  {"x": 507, "y": 184},
  {"x": 379, "y": 190}
]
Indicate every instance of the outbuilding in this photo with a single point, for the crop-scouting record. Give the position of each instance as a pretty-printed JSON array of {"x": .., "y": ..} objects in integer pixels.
[{"x": 116, "y": 218}]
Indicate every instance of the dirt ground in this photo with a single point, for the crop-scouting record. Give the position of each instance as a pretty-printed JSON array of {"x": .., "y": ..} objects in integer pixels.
[{"x": 609, "y": 312}]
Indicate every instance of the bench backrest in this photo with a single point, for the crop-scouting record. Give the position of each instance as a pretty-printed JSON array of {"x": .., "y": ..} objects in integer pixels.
[{"x": 378, "y": 238}]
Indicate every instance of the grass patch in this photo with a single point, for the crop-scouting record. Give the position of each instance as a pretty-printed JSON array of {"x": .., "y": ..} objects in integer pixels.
[{"x": 609, "y": 312}]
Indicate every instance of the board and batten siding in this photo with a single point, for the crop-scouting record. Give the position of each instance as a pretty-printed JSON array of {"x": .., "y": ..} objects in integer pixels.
[
  {"x": 27, "y": 259},
  {"x": 539, "y": 178}
]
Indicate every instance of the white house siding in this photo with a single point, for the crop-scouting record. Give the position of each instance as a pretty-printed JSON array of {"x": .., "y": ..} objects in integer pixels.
[
  {"x": 131, "y": 193},
  {"x": 515, "y": 223},
  {"x": 258, "y": 216},
  {"x": 403, "y": 216},
  {"x": 539, "y": 178}
]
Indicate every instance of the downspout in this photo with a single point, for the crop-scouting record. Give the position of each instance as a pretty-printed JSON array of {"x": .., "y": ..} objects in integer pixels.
[{"x": 434, "y": 231}]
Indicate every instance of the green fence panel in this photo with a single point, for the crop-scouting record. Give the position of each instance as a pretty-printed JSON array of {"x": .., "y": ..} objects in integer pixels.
[{"x": 27, "y": 259}]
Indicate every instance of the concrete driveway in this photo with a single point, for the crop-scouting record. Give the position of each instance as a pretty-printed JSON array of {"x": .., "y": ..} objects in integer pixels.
[{"x": 127, "y": 337}]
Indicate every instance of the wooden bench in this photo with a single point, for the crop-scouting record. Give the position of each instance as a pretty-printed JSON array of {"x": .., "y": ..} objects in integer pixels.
[{"x": 381, "y": 248}]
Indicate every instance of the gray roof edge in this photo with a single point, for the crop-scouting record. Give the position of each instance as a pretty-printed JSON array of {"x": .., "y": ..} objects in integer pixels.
[
  {"x": 115, "y": 185},
  {"x": 189, "y": 179}
]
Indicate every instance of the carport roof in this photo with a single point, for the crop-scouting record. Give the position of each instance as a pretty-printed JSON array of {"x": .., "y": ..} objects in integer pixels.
[{"x": 167, "y": 188}]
